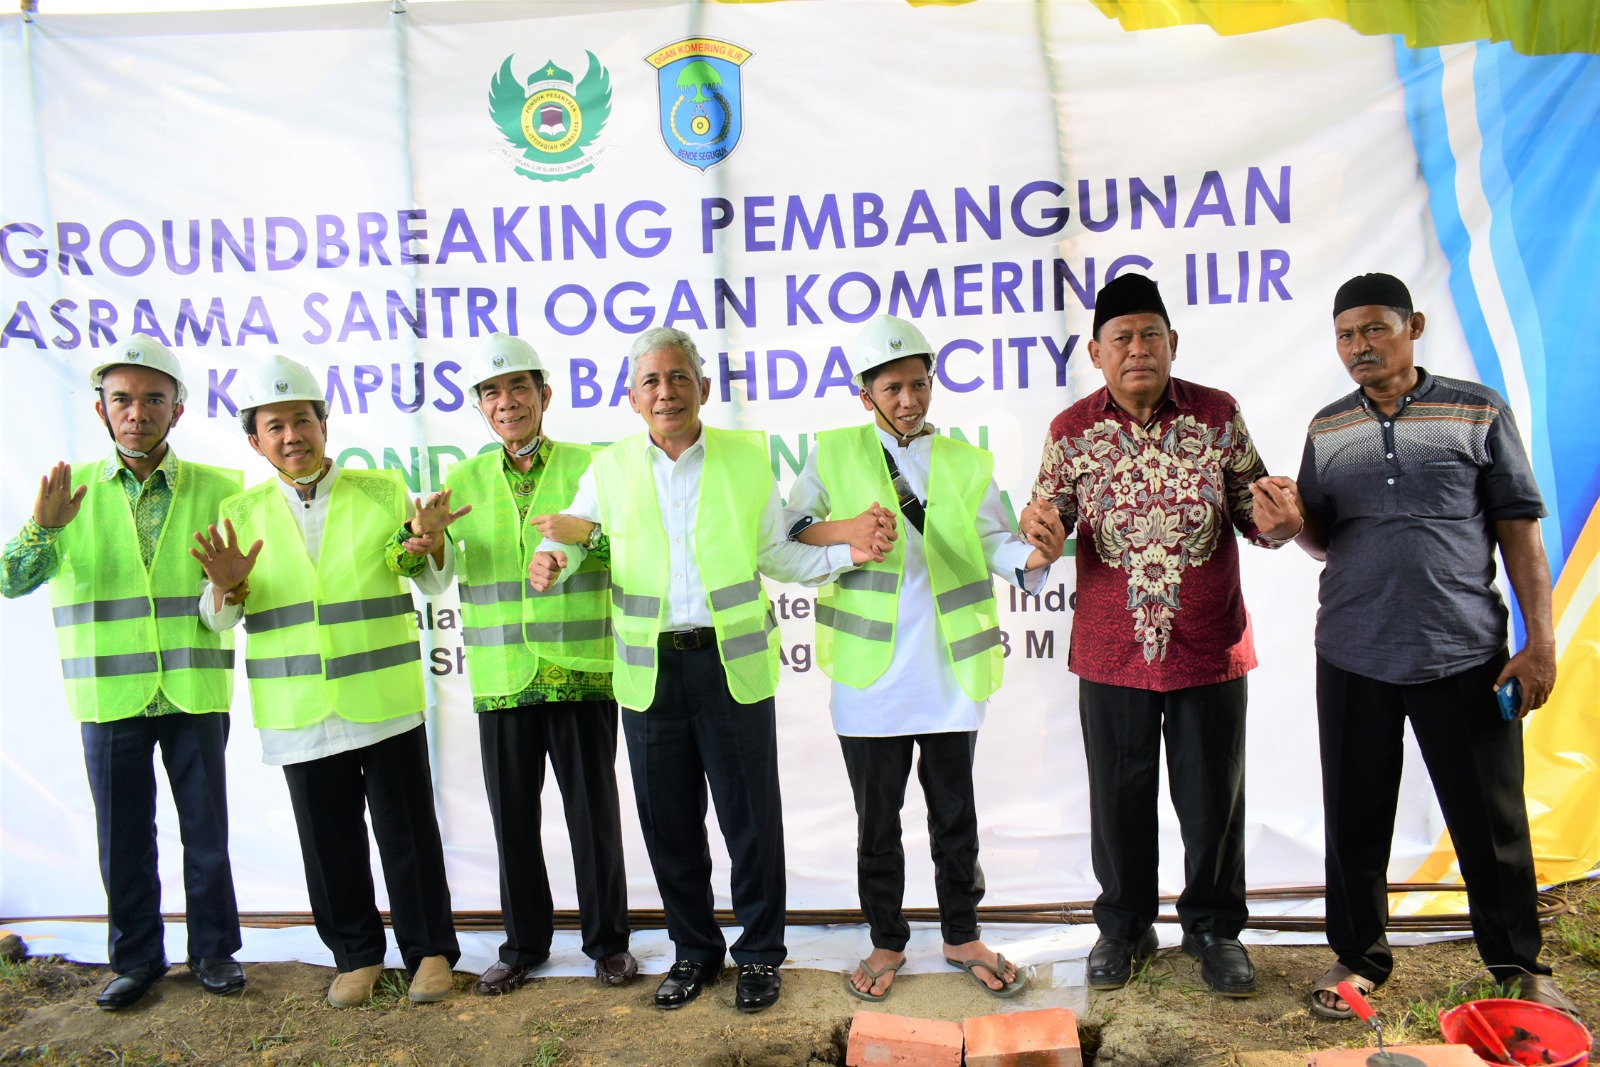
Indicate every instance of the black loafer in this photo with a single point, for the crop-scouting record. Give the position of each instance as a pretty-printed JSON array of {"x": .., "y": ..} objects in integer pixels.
[
  {"x": 129, "y": 987},
  {"x": 1224, "y": 964},
  {"x": 222, "y": 975},
  {"x": 683, "y": 983},
  {"x": 1112, "y": 958},
  {"x": 759, "y": 986},
  {"x": 616, "y": 969}
]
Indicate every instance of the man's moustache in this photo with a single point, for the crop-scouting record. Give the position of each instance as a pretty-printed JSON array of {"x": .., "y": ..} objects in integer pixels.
[{"x": 1359, "y": 360}]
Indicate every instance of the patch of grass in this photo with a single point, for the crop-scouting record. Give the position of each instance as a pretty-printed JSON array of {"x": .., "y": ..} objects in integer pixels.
[
  {"x": 13, "y": 971},
  {"x": 1579, "y": 935},
  {"x": 260, "y": 1042},
  {"x": 550, "y": 1035},
  {"x": 1417, "y": 1021},
  {"x": 390, "y": 990}
]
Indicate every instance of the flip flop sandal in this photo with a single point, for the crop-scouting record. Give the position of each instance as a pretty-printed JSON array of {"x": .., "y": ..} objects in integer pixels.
[
  {"x": 998, "y": 968},
  {"x": 888, "y": 968},
  {"x": 1329, "y": 983}
]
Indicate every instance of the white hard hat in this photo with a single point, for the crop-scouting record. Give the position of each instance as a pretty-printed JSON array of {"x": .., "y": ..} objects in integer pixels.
[
  {"x": 885, "y": 339},
  {"x": 501, "y": 354},
  {"x": 277, "y": 380},
  {"x": 142, "y": 350}
]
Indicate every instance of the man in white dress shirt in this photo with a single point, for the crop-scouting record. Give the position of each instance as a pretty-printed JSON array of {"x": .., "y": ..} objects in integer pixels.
[
  {"x": 912, "y": 643},
  {"x": 336, "y": 676},
  {"x": 694, "y": 520}
]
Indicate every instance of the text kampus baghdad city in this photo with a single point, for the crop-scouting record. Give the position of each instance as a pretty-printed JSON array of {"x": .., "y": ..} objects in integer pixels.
[{"x": 91, "y": 274}]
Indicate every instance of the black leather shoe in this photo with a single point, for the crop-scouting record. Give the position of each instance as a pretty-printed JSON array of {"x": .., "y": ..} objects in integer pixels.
[
  {"x": 502, "y": 978},
  {"x": 129, "y": 987},
  {"x": 759, "y": 986},
  {"x": 1224, "y": 964},
  {"x": 1112, "y": 958},
  {"x": 683, "y": 983},
  {"x": 617, "y": 968},
  {"x": 221, "y": 975}
]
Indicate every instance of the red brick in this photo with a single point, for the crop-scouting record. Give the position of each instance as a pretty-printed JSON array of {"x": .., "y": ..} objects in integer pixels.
[
  {"x": 881, "y": 1040},
  {"x": 1430, "y": 1055},
  {"x": 1044, "y": 1038}
]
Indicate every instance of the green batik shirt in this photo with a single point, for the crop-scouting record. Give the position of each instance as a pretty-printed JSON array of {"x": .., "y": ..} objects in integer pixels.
[
  {"x": 31, "y": 558},
  {"x": 551, "y": 682}
]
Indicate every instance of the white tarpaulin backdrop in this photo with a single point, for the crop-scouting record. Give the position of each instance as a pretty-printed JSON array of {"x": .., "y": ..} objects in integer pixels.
[{"x": 304, "y": 181}]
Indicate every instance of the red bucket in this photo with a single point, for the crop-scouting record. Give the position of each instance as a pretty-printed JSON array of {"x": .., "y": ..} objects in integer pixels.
[{"x": 1532, "y": 1033}]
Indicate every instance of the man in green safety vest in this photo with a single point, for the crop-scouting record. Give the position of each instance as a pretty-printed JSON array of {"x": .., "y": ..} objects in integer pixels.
[
  {"x": 111, "y": 537},
  {"x": 540, "y": 667},
  {"x": 913, "y": 643},
  {"x": 694, "y": 520},
  {"x": 335, "y": 675}
]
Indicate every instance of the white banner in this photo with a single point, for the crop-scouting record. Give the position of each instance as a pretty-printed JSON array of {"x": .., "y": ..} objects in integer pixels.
[{"x": 371, "y": 193}]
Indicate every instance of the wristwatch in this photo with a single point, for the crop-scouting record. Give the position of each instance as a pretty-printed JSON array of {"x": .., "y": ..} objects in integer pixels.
[{"x": 594, "y": 538}]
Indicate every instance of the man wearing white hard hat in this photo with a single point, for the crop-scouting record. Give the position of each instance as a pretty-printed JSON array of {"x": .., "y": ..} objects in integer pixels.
[
  {"x": 111, "y": 537},
  {"x": 694, "y": 521},
  {"x": 335, "y": 674},
  {"x": 912, "y": 643},
  {"x": 540, "y": 668}
]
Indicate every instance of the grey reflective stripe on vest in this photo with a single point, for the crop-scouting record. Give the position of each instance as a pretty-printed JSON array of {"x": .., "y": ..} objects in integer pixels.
[
  {"x": 177, "y": 659},
  {"x": 847, "y": 622},
  {"x": 634, "y": 655},
  {"x": 278, "y": 618},
  {"x": 283, "y": 667},
  {"x": 736, "y": 595},
  {"x": 490, "y": 593},
  {"x": 749, "y": 644},
  {"x": 133, "y": 607},
  {"x": 363, "y": 662},
  {"x": 982, "y": 641},
  {"x": 583, "y": 582},
  {"x": 110, "y": 666},
  {"x": 378, "y": 607},
  {"x": 965, "y": 595},
  {"x": 571, "y": 630},
  {"x": 173, "y": 607},
  {"x": 635, "y": 606},
  {"x": 486, "y": 636},
  {"x": 870, "y": 581}
]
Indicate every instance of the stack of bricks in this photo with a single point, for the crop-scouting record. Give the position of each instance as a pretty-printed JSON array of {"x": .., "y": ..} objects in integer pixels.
[{"x": 1046, "y": 1038}]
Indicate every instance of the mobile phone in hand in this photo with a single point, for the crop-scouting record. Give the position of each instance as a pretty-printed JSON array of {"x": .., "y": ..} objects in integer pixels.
[{"x": 1510, "y": 698}]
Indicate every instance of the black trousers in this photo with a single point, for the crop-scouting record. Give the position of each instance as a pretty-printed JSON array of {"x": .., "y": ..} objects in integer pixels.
[
  {"x": 695, "y": 736},
  {"x": 580, "y": 739},
  {"x": 879, "y": 768},
  {"x": 120, "y": 759},
  {"x": 1474, "y": 758},
  {"x": 391, "y": 780},
  {"x": 1204, "y": 731}
]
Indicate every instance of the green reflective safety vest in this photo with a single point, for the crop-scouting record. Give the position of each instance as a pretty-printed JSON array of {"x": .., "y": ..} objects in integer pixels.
[
  {"x": 509, "y": 627},
  {"x": 125, "y": 631},
  {"x": 339, "y": 637},
  {"x": 856, "y": 614},
  {"x": 733, "y": 491}
]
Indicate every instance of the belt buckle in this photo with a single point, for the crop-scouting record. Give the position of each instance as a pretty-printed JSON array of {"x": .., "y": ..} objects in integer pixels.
[{"x": 686, "y": 640}]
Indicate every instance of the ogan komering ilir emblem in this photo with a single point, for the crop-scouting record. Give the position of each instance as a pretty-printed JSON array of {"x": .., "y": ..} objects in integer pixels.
[
  {"x": 553, "y": 123},
  {"x": 701, "y": 94}
]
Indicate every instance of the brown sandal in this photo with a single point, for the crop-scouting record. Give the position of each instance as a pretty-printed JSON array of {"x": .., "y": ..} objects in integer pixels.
[{"x": 1329, "y": 983}]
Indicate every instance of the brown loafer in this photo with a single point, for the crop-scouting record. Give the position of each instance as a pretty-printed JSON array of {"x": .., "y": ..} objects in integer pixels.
[
  {"x": 616, "y": 969},
  {"x": 502, "y": 978}
]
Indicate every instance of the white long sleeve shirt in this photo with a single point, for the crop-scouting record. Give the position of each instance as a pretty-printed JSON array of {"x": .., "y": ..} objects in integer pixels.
[
  {"x": 919, "y": 692},
  {"x": 687, "y": 603},
  {"x": 335, "y": 733}
]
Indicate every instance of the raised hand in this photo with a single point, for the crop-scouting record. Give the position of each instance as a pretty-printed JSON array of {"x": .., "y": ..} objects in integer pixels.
[
  {"x": 433, "y": 516},
  {"x": 564, "y": 529},
  {"x": 57, "y": 504},
  {"x": 225, "y": 566},
  {"x": 1277, "y": 507},
  {"x": 544, "y": 568}
]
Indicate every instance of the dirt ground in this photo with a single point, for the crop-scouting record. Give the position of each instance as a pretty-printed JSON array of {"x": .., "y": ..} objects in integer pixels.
[{"x": 1166, "y": 1016}]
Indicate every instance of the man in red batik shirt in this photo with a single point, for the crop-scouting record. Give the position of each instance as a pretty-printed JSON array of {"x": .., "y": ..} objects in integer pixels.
[{"x": 1155, "y": 473}]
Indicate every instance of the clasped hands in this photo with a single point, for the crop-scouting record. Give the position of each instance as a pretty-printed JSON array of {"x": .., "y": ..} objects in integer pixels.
[{"x": 1040, "y": 525}]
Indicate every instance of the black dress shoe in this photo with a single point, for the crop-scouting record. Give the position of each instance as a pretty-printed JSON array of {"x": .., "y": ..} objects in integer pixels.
[
  {"x": 1112, "y": 958},
  {"x": 683, "y": 983},
  {"x": 1224, "y": 964},
  {"x": 221, "y": 975},
  {"x": 617, "y": 968},
  {"x": 759, "y": 985},
  {"x": 129, "y": 987},
  {"x": 502, "y": 978}
]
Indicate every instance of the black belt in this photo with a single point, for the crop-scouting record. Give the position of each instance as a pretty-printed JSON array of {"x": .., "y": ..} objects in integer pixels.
[{"x": 688, "y": 640}]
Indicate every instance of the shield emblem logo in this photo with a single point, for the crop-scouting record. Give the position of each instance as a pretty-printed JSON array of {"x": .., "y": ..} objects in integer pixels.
[
  {"x": 498, "y": 362},
  {"x": 702, "y": 107},
  {"x": 280, "y": 387}
]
